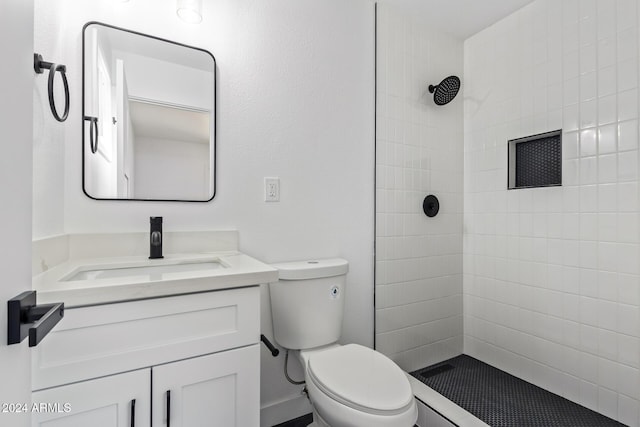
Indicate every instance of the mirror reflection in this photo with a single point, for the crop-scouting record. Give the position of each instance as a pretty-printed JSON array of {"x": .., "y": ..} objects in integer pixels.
[{"x": 149, "y": 117}]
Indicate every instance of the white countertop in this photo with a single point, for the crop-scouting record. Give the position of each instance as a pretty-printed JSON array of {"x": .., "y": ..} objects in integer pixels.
[{"x": 240, "y": 270}]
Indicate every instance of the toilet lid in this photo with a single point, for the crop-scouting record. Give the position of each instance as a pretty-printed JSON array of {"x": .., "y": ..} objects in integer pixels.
[{"x": 361, "y": 378}]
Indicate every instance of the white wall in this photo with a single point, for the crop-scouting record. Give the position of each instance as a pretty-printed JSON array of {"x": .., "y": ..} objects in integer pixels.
[
  {"x": 49, "y": 135},
  {"x": 16, "y": 87},
  {"x": 168, "y": 169},
  {"x": 419, "y": 152},
  {"x": 295, "y": 100},
  {"x": 551, "y": 281}
]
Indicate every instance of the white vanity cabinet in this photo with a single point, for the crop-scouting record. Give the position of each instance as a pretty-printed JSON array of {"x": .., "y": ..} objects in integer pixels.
[
  {"x": 217, "y": 389},
  {"x": 203, "y": 348},
  {"x": 114, "y": 401}
]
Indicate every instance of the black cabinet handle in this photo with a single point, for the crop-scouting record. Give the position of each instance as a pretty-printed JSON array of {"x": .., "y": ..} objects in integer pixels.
[
  {"x": 168, "y": 408},
  {"x": 25, "y": 318},
  {"x": 133, "y": 413}
]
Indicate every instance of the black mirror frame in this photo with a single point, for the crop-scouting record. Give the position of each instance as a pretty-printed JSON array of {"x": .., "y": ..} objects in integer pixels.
[{"x": 215, "y": 114}]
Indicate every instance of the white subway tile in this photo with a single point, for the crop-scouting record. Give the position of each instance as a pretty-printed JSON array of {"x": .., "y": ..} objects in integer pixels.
[
  {"x": 589, "y": 394},
  {"x": 589, "y": 255},
  {"x": 628, "y": 381},
  {"x": 589, "y": 281},
  {"x": 607, "y": 197},
  {"x": 629, "y": 289},
  {"x": 607, "y": 168},
  {"x": 607, "y": 227},
  {"x": 627, "y": 47},
  {"x": 571, "y": 60},
  {"x": 607, "y": 317},
  {"x": 607, "y": 52},
  {"x": 627, "y": 74},
  {"x": 628, "y": 166},
  {"x": 628, "y": 350},
  {"x": 570, "y": 117},
  {"x": 628, "y": 320},
  {"x": 589, "y": 170},
  {"x": 588, "y": 24},
  {"x": 628, "y": 410},
  {"x": 418, "y": 261},
  {"x": 556, "y": 298},
  {"x": 627, "y": 14},
  {"x": 628, "y": 135},
  {"x": 608, "y": 374},
  {"x": 588, "y": 143},
  {"x": 608, "y": 344},
  {"x": 588, "y": 361},
  {"x": 628, "y": 197},
  {"x": 588, "y": 113},
  {"x": 628, "y": 258},
  {"x": 570, "y": 276},
  {"x": 571, "y": 336},
  {"x": 587, "y": 67},
  {"x": 589, "y": 316},
  {"x": 607, "y": 138},
  {"x": 607, "y": 402},
  {"x": 571, "y": 172},
  {"x": 607, "y": 256},
  {"x": 627, "y": 105},
  {"x": 608, "y": 285}
]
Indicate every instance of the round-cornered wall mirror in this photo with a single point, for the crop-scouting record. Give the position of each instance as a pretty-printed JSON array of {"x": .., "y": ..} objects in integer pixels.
[{"x": 149, "y": 109}]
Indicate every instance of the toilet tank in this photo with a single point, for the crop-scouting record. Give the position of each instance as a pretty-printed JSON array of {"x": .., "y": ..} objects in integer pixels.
[{"x": 307, "y": 302}]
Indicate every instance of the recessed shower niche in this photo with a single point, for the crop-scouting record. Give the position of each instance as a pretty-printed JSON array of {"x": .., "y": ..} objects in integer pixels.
[{"x": 535, "y": 161}]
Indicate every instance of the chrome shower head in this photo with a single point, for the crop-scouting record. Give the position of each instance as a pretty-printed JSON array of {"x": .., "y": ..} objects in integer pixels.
[{"x": 446, "y": 90}]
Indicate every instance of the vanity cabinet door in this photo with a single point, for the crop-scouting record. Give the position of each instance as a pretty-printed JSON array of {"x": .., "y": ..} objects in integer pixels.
[
  {"x": 103, "y": 402},
  {"x": 221, "y": 389}
]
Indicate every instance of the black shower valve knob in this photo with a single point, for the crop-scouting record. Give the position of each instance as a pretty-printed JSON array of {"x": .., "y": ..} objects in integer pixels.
[{"x": 431, "y": 206}]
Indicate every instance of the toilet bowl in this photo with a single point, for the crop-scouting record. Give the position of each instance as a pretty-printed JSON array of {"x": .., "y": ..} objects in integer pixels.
[
  {"x": 354, "y": 386},
  {"x": 348, "y": 385}
]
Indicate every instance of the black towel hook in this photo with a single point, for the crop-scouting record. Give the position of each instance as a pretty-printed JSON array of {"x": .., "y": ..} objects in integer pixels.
[
  {"x": 93, "y": 132},
  {"x": 39, "y": 65}
]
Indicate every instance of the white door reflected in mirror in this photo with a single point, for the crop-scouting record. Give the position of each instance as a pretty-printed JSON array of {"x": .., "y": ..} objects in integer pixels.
[{"x": 154, "y": 101}]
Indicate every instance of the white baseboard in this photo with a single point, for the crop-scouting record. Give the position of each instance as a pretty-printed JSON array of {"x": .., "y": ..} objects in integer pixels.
[{"x": 284, "y": 410}]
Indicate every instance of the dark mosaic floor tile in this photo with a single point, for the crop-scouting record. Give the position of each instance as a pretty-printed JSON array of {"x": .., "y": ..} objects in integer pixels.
[
  {"x": 302, "y": 421},
  {"x": 502, "y": 400}
]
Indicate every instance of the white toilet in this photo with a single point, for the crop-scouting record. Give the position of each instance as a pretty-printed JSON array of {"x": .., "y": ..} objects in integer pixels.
[{"x": 349, "y": 385}]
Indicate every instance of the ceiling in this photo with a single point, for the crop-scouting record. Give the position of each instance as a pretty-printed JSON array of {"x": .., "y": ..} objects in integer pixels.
[{"x": 460, "y": 18}]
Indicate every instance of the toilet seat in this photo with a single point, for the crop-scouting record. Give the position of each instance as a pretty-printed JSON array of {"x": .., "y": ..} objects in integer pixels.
[
  {"x": 361, "y": 378},
  {"x": 359, "y": 382}
]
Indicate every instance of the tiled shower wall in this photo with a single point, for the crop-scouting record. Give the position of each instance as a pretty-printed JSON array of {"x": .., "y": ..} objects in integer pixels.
[
  {"x": 419, "y": 151},
  {"x": 551, "y": 281}
]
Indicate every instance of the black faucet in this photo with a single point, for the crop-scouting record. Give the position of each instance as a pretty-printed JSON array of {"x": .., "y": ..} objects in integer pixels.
[{"x": 155, "y": 237}]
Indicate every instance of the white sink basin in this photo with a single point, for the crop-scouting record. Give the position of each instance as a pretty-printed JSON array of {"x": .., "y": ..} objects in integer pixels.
[
  {"x": 146, "y": 270},
  {"x": 104, "y": 280}
]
